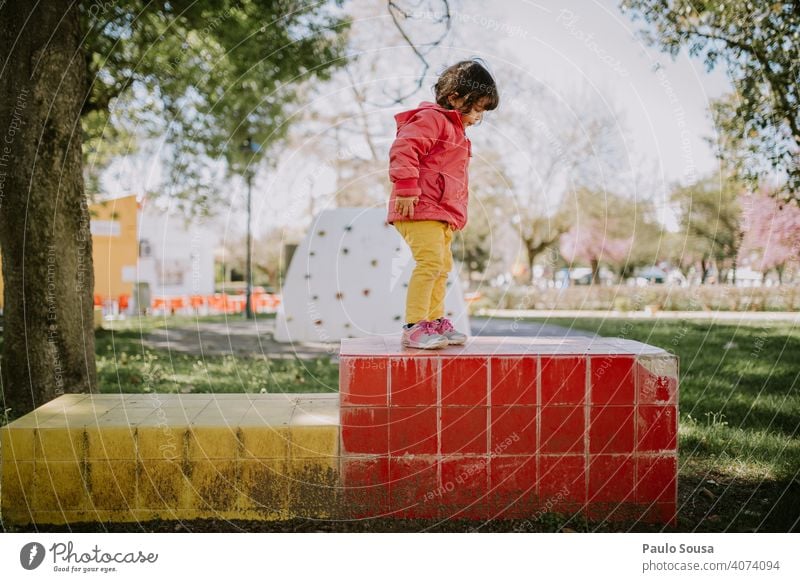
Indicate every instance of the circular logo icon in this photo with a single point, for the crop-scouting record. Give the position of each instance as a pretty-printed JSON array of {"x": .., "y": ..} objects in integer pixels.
[{"x": 31, "y": 555}]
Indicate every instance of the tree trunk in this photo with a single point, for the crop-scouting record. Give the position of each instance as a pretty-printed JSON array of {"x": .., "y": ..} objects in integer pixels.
[
  {"x": 595, "y": 271},
  {"x": 704, "y": 268},
  {"x": 48, "y": 276}
]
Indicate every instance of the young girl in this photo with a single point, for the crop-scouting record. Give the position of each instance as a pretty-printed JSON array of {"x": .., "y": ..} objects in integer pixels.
[{"x": 428, "y": 168}]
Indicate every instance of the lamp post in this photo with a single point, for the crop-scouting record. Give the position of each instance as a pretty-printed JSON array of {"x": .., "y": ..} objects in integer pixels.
[{"x": 250, "y": 147}]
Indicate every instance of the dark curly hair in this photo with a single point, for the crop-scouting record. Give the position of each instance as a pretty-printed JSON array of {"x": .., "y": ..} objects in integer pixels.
[{"x": 469, "y": 79}]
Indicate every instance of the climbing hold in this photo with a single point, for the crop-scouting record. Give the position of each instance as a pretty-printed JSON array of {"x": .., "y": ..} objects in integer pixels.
[
  {"x": 349, "y": 227},
  {"x": 345, "y": 251},
  {"x": 318, "y": 322},
  {"x": 366, "y": 292},
  {"x": 339, "y": 295},
  {"x": 321, "y": 233},
  {"x": 374, "y": 262}
]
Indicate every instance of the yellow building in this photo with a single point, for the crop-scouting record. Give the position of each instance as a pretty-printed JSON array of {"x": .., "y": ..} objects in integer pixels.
[{"x": 115, "y": 246}]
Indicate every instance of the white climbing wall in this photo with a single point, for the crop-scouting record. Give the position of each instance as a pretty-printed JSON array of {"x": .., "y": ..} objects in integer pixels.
[{"x": 349, "y": 277}]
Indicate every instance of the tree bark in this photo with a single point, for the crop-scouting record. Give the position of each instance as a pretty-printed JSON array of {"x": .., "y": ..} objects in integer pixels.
[{"x": 48, "y": 276}]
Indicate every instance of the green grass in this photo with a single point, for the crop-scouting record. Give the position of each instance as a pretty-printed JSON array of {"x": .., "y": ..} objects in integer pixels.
[
  {"x": 739, "y": 439},
  {"x": 126, "y": 364}
]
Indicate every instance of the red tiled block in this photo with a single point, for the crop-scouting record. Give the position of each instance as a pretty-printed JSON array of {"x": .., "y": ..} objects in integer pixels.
[
  {"x": 464, "y": 430},
  {"x": 611, "y": 478},
  {"x": 656, "y": 479},
  {"x": 563, "y": 380},
  {"x": 413, "y": 487},
  {"x": 562, "y": 429},
  {"x": 513, "y": 430},
  {"x": 365, "y": 430},
  {"x": 657, "y": 378},
  {"x": 612, "y": 380},
  {"x": 513, "y": 380},
  {"x": 413, "y": 381},
  {"x": 611, "y": 429},
  {"x": 658, "y": 428},
  {"x": 465, "y": 487},
  {"x": 365, "y": 482},
  {"x": 413, "y": 430},
  {"x": 464, "y": 381},
  {"x": 512, "y": 489},
  {"x": 562, "y": 477},
  {"x": 665, "y": 512},
  {"x": 363, "y": 381}
]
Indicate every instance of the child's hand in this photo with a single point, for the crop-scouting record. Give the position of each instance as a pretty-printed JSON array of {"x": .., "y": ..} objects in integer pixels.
[{"x": 405, "y": 205}]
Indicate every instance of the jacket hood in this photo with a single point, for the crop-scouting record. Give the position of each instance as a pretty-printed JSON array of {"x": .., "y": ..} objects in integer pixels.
[{"x": 404, "y": 116}]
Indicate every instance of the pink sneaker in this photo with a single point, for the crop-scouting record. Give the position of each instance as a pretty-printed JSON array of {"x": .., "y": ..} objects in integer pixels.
[
  {"x": 423, "y": 335},
  {"x": 445, "y": 328}
]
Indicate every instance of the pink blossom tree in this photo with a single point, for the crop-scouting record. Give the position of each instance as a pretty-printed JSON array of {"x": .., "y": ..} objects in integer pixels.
[{"x": 771, "y": 232}]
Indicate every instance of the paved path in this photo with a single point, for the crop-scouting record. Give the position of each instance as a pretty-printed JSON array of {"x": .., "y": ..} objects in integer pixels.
[{"x": 243, "y": 338}]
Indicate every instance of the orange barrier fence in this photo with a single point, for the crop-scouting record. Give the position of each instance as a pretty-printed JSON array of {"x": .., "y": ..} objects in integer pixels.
[{"x": 217, "y": 303}]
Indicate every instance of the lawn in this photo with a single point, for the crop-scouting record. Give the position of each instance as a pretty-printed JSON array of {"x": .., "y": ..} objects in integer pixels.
[
  {"x": 126, "y": 364},
  {"x": 739, "y": 418}
]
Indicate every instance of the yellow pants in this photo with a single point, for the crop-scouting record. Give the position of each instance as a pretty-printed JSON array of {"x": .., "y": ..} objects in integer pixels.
[{"x": 429, "y": 241}]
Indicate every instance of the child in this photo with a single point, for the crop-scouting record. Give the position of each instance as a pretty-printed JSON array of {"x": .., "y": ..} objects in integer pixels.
[{"x": 428, "y": 168}]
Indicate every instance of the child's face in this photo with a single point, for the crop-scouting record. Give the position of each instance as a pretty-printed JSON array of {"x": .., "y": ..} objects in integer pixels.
[{"x": 471, "y": 118}]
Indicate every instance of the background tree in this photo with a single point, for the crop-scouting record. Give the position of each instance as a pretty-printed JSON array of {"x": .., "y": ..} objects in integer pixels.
[
  {"x": 757, "y": 42},
  {"x": 610, "y": 229},
  {"x": 205, "y": 74},
  {"x": 711, "y": 211},
  {"x": 771, "y": 233},
  {"x": 687, "y": 253}
]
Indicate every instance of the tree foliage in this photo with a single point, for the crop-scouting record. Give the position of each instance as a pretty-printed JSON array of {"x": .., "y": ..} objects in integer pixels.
[
  {"x": 711, "y": 211},
  {"x": 759, "y": 44},
  {"x": 203, "y": 76}
]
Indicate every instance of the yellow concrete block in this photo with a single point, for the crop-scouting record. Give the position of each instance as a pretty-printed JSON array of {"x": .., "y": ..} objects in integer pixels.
[
  {"x": 110, "y": 442},
  {"x": 215, "y": 485},
  {"x": 163, "y": 443},
  {"x": 264, "y": 489},
  {"x": 314, "y": 441},
  {"x": 59, "y": 486},
  {"x": 79, "y": 516},
  {"x": 170, "y": 416},
  {"x": 17, "y": 486},
  {"x": 112, "y": 484},
  {"x": 161, "y": 485},
  {"x": 314, "y": 487},
  {"x": 264, "y": 442},
  {"x": 17, "y": 444},
  {"x": 33, "y": 419},
  {"x": 212, "y": 442},
  {"x": 59, "y": 444}
]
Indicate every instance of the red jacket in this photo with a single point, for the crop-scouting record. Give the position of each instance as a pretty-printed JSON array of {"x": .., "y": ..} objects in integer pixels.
[{"x": 429, "y": 158}]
